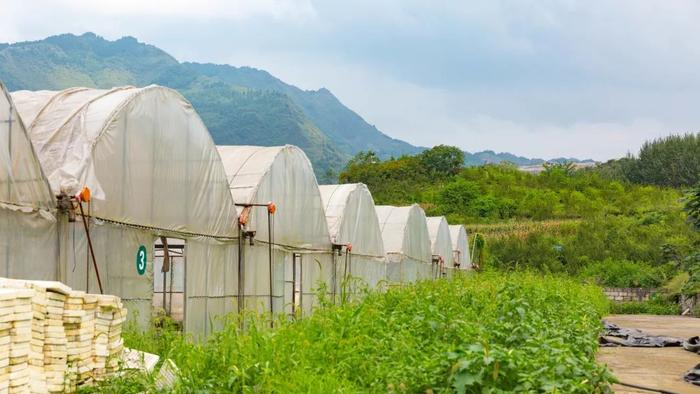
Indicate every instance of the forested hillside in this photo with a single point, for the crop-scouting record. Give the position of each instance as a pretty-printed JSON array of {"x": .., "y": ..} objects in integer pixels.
[
  {"x": 239, "y": 105},
  {"x": 580, "y": 222},
  {"x": 670, "y": 161}
]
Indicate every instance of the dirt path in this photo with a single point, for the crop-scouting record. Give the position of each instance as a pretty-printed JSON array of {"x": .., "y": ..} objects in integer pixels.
[{"x": 660, "y": 368}]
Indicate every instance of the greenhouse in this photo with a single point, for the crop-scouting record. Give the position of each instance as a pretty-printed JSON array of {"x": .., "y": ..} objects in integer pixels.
[
  {"x": 441, "y": 245},
  {"x": 286, "y": 247},
  {"x": 27, "y": 207},
  {"x": 460, "y": 247},
  {"x": 135, "y": 170},
  {"x": 406, "y": 243},
  {"x": 355, "y": 234}
]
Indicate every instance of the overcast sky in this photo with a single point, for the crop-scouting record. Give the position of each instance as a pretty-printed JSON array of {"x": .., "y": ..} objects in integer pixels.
[{"x": 591, "y": 79}]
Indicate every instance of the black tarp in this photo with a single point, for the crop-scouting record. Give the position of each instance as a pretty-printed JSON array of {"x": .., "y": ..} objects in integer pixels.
[{"x": 614, "y": 335}]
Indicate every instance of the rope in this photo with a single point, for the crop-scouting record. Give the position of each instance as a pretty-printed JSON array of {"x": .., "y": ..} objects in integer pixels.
[
  {"x": 164, "y": 230},
  {"x": 640, "y": 387}
]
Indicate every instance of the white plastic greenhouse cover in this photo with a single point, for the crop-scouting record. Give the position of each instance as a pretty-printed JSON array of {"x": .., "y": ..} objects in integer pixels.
[
  {"x": 352, "y": 218},
  {"x": 27, "y": 207},
  {"x": 460, "y": 245},
  {"x": 153, "y": 170},
  {"x": 440, "y": 238},
  {"x": 405, "y": 235},
  {"x": 282, "y": 175},
  {"x": 100, "y": 139}
]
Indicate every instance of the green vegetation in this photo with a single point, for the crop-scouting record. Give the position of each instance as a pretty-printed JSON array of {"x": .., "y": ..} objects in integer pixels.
[
  {"x": 560, "y": 220},
  {"x": 655, "y": 306},
  {"x": 485, "y": 333},
  {"x": 238, "y": 105},
  {"x": 613, "y": 273},
  {"x": 670, "y": 161}
]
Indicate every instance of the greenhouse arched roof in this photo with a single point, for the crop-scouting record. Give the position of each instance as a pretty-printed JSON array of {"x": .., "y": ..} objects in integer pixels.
[
  {"x": 441, "y": 243},
  {"x": 404, "y": 231},
  {"x": 352, "y": 218},
  {"x": 282, "y": 175},
  {"x": 144, "y": 153},
  {"x": 460, "y": 243}
]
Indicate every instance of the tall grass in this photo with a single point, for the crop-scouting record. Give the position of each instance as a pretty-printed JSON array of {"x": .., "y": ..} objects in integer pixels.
[{"x": 490, "y": 332}]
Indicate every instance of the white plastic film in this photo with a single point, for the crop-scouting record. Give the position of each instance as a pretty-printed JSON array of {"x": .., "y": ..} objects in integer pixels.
[
  {"x": 406, "y": 242},
  {"x": 283, "y": 176},
  {"x": 352, "y": 220},
  {"x": 153, "y": 170},
  {"x": 441, "y": 243},
  {"x": 460, "y": 247},
  {"x": 27, "y": 208}
]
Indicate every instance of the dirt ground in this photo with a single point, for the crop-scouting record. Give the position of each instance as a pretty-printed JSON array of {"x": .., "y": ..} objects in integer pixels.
[{"x": 660, "y": 368}]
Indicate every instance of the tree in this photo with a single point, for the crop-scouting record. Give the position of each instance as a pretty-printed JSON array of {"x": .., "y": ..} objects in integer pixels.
[
  {"x": 458, "y": 196},
  {"x": 671, "y": 161},
  {"x": 363, "y": 158},
  {"x": 692, "y": 206},
  {"x": 442, "y": 160}
]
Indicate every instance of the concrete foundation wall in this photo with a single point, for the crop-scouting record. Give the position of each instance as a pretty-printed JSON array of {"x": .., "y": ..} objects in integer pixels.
[{"x": 626, "y": 294}]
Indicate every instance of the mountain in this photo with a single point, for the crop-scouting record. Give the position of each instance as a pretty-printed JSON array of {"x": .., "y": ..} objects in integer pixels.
[
  {"x": 239, "y": 105},
  {"x": 491, "y": 157}
]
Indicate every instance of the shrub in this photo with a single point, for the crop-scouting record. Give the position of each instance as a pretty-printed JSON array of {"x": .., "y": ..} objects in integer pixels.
[
  {"x": 623, "y": 273},
  {"x": 485, "y": 333},
  {"x": 657, "y": 305}
]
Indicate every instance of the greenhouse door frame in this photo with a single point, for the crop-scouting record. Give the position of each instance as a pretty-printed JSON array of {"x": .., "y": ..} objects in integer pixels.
[
  {"x": 297, "y": 295},
  {"x": 177, "y": 252}
]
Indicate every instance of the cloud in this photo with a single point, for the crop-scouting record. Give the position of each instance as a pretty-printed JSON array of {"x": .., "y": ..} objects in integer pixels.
[
  {"x": 536, "y": 77},
  {"x": 216, "y": 9}
]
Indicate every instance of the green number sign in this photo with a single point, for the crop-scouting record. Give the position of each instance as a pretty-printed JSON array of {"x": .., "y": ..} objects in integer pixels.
[{"x": 141, "y": 258}]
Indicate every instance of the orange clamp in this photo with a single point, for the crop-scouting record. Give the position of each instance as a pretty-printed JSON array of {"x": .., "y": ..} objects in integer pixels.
[{"x": 83, "y": 195}]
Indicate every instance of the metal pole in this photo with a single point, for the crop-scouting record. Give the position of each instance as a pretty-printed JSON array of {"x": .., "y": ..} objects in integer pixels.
[
  {"x": 240, "y": 269},
  {"x": 165, "y": 267},
  {"x": 335, "y": 275},
  {"x": 294, "y": 283},
  {"x": 92, "y": 252},
  {"x": 170, "y": 292},
  {"x": 269, "y": 253}
]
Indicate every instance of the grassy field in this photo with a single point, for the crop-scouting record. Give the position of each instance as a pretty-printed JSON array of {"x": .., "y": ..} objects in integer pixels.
[{"x": 485, "y": 332}]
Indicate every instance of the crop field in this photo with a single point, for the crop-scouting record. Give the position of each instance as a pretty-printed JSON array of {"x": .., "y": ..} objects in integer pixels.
[
  {"x": 521, "y": 229},
  {"x": 486, "y": 332}
]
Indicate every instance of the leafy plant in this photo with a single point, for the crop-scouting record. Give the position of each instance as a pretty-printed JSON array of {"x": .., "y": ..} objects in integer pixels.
[
  {"x": 657, "y": 305},
  {"x": 623, "y": 273},
  {"x": 485, "y": 333}
]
